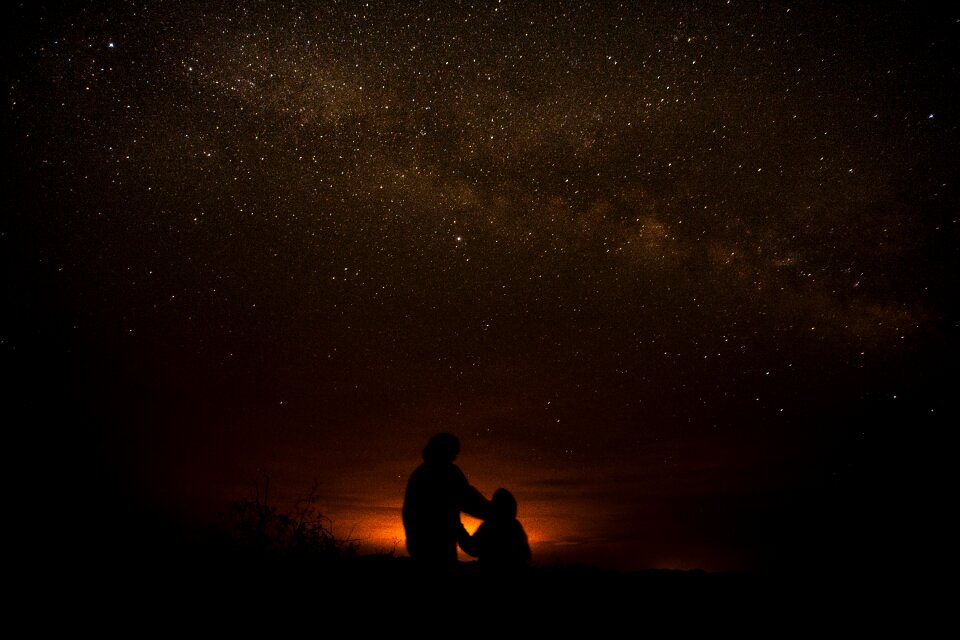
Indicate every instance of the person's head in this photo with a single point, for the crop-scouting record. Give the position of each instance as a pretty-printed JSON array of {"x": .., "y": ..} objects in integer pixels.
[
  {"x": 504, "y": 505},
  {"x": 442, "y": 447}
]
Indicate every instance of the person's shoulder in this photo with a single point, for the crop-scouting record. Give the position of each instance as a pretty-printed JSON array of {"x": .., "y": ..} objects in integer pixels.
[
  {"x": 518, "y": 527},
  {"x": 419, "y": 471},
  {"x": 456, "y": 471},
  {"x": 447, "y": 471},
  {"x": 421, "y": 474}
]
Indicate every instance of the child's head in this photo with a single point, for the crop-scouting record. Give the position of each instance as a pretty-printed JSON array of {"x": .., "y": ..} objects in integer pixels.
[{"x": 504, "y": 504}]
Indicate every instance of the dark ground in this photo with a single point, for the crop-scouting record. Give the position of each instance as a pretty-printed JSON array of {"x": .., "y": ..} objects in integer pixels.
[{"x": 236, "y": 594}]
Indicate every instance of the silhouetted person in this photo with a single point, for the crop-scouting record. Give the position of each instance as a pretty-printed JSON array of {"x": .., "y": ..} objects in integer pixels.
[
  {"x": 500, "y": 541},
  {"x": 436, "y": 494}
]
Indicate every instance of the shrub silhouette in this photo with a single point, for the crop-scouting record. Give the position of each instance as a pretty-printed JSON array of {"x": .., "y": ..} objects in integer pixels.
[{"x": 256, "y": 528}]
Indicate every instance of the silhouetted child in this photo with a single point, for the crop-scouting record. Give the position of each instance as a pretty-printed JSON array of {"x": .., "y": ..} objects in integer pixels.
[{"x": 500, "y": 541}]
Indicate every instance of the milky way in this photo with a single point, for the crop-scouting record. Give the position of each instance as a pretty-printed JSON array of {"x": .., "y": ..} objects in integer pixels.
[{"x": 658, "y": 266}]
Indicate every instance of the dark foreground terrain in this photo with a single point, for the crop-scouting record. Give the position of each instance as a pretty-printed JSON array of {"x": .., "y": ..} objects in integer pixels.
[{"x": 359, "y": 595}]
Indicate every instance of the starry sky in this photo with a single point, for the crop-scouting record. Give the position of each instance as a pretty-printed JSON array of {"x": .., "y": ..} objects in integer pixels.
[{"x": 679, "y": 275}]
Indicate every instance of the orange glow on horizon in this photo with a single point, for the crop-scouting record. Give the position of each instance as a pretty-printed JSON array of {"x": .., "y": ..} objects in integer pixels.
[
  {"x": 384, "y": 533},
  {"x": 380, "y": 533}
]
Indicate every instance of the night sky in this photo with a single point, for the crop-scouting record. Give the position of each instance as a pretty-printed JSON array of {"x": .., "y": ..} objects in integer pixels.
[{"x": 680, "y": 276}]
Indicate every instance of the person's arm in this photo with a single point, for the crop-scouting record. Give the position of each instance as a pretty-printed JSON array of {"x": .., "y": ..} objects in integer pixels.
[
  {"x": 473, "y": 503},
  {"x": 469, "y": 544}
]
